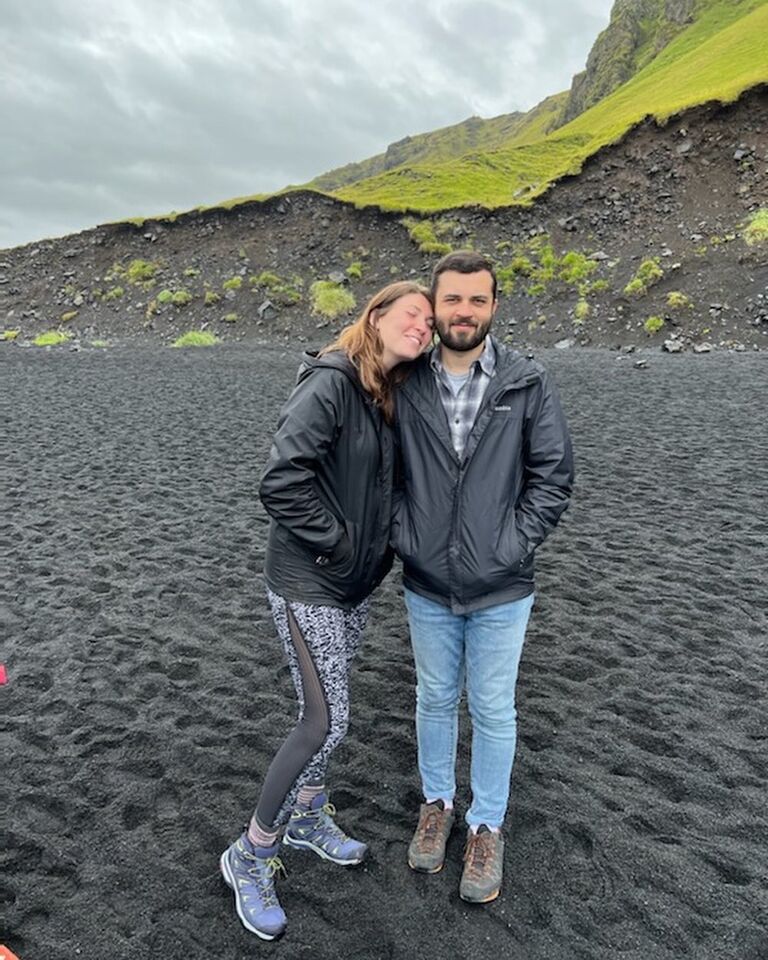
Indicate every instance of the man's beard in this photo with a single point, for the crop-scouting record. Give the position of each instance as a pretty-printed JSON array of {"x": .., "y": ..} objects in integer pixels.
[{"x": 462, "y": 340}]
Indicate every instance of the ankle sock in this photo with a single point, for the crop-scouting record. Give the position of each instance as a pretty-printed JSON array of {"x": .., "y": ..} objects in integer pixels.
[
  {"x": 260, "y": 837},
  {"x": 447, "y": 804},
  {"x": 308, "y": 792}
]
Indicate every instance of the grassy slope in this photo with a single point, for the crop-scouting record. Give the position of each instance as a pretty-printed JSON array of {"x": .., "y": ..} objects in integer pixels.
[
  {"x": 717, "y": 58},
  {"x": 447, "y": 143}
]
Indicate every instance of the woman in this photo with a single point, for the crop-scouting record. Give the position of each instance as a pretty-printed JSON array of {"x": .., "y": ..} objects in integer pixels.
[{"x": 328, "y": 489}]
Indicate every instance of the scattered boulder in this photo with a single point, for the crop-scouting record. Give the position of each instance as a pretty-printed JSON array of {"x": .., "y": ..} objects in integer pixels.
[{"x": 267, "y": 310}]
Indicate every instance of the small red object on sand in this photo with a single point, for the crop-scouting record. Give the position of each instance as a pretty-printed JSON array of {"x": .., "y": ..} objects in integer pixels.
[
  {"x": 6, "y": 954},
  {"x": 3, "y": 679}
]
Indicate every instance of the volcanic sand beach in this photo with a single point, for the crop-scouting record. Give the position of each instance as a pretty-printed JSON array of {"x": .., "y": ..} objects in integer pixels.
[{"x": 147, "y": 691}]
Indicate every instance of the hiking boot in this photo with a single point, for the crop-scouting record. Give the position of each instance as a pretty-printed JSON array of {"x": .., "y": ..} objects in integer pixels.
[
  {"x": 311, "y": 827},
  {"x": 250, "y": 871},
  {"x": 483, "y": 866},
  {"x": 426, "y": 852}
]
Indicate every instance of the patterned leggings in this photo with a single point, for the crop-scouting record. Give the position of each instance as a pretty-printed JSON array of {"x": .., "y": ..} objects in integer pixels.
[{"x": 320, "y": 643}]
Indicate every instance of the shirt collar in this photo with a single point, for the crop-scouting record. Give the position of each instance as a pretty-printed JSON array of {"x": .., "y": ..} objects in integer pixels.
[{"x": 487, "y": 359}]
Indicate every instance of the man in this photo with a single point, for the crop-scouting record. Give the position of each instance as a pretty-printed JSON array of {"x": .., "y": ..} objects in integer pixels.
[{"x": 487, "y": 472}]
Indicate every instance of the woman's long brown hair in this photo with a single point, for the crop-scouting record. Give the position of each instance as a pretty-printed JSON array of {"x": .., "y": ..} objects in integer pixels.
[{"x": 362, "y": 344}]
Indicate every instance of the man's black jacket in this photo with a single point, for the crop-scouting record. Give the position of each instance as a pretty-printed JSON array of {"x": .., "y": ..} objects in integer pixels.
[
  {"x": 328, "y": 489},
  {"x": 466, "y": 528}
]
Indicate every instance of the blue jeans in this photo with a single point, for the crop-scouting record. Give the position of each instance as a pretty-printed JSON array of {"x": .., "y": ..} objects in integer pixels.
[{"x": 483, "y": 648}]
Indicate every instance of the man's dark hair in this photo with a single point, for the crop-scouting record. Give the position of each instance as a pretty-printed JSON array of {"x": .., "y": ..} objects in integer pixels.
[{"x": 463, "y": 261}]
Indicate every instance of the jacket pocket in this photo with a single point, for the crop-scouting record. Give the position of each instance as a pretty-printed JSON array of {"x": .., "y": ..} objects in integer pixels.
[
  {"x": 348, "y": 553},
  {"x": 508, "y": 547}
]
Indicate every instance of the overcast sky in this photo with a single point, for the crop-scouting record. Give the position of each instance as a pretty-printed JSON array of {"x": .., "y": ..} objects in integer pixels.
[{"x": 138, "y": 107}]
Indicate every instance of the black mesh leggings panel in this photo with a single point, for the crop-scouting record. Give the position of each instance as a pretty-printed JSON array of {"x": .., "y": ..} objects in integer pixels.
[{"x": 320, "y": 643}]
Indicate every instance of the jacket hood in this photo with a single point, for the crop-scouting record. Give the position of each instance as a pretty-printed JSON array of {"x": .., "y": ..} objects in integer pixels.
[{"x": 335, "y": 360}]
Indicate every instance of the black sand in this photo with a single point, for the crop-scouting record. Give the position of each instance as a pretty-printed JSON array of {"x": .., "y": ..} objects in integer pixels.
[{"x": 146, "y": 690}]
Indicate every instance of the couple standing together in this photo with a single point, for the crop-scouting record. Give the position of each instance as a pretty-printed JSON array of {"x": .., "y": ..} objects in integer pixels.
[{"x": 460, "y": 459}]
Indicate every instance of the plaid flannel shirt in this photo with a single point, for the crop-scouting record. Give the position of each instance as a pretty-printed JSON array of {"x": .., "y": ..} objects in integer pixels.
[{"x": 461, "y": 409}]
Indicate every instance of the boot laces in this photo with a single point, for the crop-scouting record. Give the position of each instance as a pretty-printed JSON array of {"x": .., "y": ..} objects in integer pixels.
[
  {"x": 264, "y": 875},
  {"x": 325, "y": 816},
  {"x": 479, "y": 851},
  {"x": 431, "y": 828}
]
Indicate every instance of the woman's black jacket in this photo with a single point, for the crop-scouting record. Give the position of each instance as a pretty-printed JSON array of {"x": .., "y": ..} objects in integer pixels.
[{"x": 327, "y": 487}]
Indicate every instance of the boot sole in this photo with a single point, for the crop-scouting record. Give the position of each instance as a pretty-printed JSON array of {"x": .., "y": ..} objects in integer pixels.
[
  {"x": 306, "y": 845},
  {"x": 230, "y": 882},
  {"x": 436, "y": 869},
  {"x": 487, "y": 899}
]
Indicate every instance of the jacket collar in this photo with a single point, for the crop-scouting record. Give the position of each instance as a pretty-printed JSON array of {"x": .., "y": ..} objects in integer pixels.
[
  {"x": 512, "y": 371},
  {"x": 487, "y": 359}
]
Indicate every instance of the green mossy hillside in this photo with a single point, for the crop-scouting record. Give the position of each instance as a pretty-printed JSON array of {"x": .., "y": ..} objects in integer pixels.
[
  {"x": 514, "y": 158},
  {"x": 717, "y": 58},
  {"x": 451, "y": 142}
]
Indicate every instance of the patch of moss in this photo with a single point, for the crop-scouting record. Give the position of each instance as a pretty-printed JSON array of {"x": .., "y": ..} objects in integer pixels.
[
  {"x": 678, "y": 301},
  {"x": 230, "y": 318},
  {"x": 537, "y": 261},
  {"x": 211, "y": 297},
  {"x": 330, "y": 300},
  {"x": 355, "y": 270},
  {"x": 69, "y": 315},
  {"x": 282, "y": 290},
  {"x": 648, "y": 273},
  {"x": 51, "y": 338},
  {"x": 9, "y": 334},
  {"x": 195, "y": 338},
  {"x": 139, "y": 271},
  {"x": 653, "y": 324},
  {"x": 178, "y": 297},
  {"x": 756, "y": 230},
  {"x": 114, "y": 294},
  {"x": 234, "y": 283},
  {"x": 426, "y": 234},
  {"x": 580, "y": 312},
  {"x": 575, "y": 267}
]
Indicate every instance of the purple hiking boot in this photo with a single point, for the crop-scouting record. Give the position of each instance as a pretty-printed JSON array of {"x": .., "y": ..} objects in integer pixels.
[
  {"x": 250, "y": 871},
  {"x": 312, "y": 828}
]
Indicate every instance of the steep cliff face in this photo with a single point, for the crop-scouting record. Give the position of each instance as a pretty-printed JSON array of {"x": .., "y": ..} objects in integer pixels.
[{"x": 638, "y": 31}]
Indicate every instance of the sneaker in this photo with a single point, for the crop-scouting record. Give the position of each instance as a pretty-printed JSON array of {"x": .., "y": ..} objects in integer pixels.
[
  {"x": 483, "y": 866},
  {"x": 426, "y": 852},
  {"x": 250, "y": 871},
  {"x": 312, "y": 828}
]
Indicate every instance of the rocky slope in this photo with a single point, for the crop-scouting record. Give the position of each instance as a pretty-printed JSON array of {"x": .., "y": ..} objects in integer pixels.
[{"x": 680, "y": 194}]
